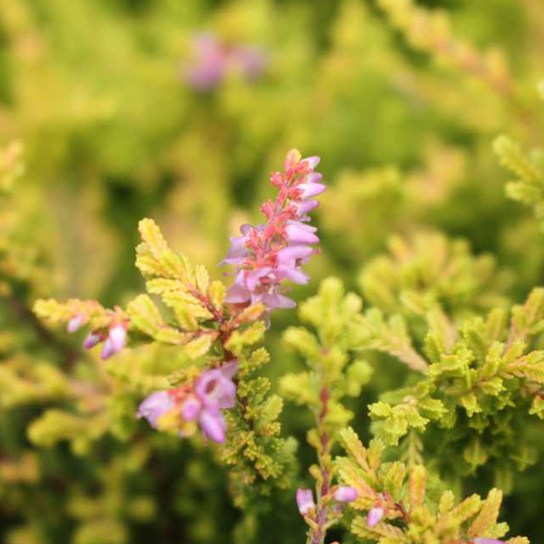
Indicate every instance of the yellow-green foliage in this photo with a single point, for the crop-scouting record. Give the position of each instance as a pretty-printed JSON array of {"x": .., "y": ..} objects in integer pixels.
[
  {"x": 402, "y": 99},
  {"x": 412, "y": 515}
]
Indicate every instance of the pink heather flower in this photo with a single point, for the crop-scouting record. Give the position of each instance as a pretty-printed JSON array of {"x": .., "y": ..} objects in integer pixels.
[
  {"x": 213, "y": 391},
  {"x": 213, "y": 425},
  {"x": 212, "y": 59},
  {"x": 114, "y": 338},
  {"x": 345, "y": 494},
  {"x": 115, "y": 341},
  {"x": 154, "y": 406},
  {"x": 487, "y": 541},
  {"x": 268, "y": 255},
  {"x": 305, "y": 501},
  {"x": 209, "y": 63},
  {"x": 75, "y": 323},
  {"x": 92, "y": 339},
  {"x": 215, "y": 388},
  {"x": 375, "y": 515}
]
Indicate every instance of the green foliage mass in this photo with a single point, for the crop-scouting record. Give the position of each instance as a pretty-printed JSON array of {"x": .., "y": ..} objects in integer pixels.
[{"x": 422, "y": 326}]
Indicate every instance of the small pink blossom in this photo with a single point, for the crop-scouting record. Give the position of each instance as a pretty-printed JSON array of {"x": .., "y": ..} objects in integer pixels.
[
  {"x": 214, "y": 390},
  {"x": 92, "y": 339},
  {"x": 375, "y": 515},
  {"x": 487, "y": 541},
  {"x": 75, "y": 323},
  {"x": 305, "y": 501},
  {"x": 345, "y": 494},
  {"x": 115, "y": 341}
]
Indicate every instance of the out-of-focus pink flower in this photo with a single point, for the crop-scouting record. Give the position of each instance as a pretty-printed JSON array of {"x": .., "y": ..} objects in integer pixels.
[
  {"x": 209, "y": 62},
  {"x": 156, "y": 405},
  {"x": 305, "y": 501},
  {"x": 92, "y": 339},
  {"x": 75, "y": 323},
  {"x": 268, "y": 255},
  {"x": 212, "y": 59},
  {"x": 487, "y": 541},
  {"x": 345, "y": 494},
  {"x": 375, "y": 515},
  {"x": 114, "y": 336},
  {"x": 214, "y": 390},
  {"x": 115, "y": 341}
]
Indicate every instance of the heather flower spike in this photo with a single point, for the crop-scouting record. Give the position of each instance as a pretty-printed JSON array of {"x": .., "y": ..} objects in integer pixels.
[{"x": 268, "y": 255}]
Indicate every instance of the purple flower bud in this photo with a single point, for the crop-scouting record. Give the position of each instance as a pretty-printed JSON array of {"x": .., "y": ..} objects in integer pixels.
[
  {"x": 118, "y": 337},
  {"x": 375, "y": 515},
  {"x": 213, "y": 425},
  {"x": 305, "y": 501},
  {"x": 107, "y": 349},
  {"x": 154, "y": 406},
  {"x": 115, "y": 342},
  {"x": 299, "y": 233},
  {"x": 487, "y": 541},
  {"x": 309, "y": 190},
  {"x": 306, "y": 206},
  {"x": 75, "y": 323},
  {"x": 345, "y": 494},
  {"x": 92, "y": 339}
]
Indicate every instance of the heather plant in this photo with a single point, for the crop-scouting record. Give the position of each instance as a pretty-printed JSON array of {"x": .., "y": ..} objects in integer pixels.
[{"x": 353, "y": 356}]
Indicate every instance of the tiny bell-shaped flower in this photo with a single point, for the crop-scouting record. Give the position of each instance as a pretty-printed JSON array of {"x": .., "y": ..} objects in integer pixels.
[
  {"x": 75, "y": 323},
  {"x": 305, "y": 501},
  {"x": 92, "y": 339},
  {"x": 115, "y": 341},
  {"x": 345, "y": 494},
  {"x": 375, "y": 515}
]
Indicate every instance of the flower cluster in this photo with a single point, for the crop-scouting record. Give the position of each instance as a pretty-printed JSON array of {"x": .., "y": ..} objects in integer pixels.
[
  {"x": 114, "y": 336},
  {"x": 198, "y": 403},
  {"x": 213, "y": 59},
  {"x": 269, "y": 254},
  {"x": 306, "y": 504}
]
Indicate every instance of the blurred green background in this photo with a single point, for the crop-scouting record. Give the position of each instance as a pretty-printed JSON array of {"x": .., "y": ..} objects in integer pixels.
[{"x": 403, "y": 113}]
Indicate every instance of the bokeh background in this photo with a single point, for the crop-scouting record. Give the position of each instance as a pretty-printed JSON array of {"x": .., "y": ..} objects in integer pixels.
[{"x": 402, "y": 106}]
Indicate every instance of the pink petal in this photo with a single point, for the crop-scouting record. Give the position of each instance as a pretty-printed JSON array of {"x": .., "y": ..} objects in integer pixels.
[
  {"x": 213, "y": 425},
  {"x": 305, "y": 500}
]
